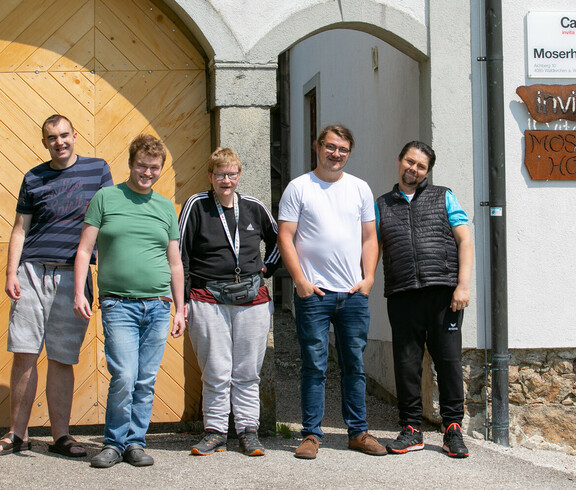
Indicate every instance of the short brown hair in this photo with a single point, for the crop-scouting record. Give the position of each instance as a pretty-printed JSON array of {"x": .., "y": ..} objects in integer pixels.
[
  {"x": 55, "y": 119},
  {"x": 148, "y": 144},
  {"x": 221, "y": 157},
  {"x": 340, "y": 131}
]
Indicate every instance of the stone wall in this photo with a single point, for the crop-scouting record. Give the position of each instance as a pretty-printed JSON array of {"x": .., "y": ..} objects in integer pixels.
[{"x": 542, "y": 397}]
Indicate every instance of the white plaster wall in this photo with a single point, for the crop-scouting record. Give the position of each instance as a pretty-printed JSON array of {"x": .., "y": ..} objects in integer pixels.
[
  {"x": 257, "y": 31},
  {"x": 541, "y": 234},
  {"x": 451, "y": 123},
  {"x": 380, "y": 107},
  {"x": 251, "y": 20}
]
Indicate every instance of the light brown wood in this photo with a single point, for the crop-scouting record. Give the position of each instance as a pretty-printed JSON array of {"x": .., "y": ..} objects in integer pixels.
[
  {"x": 61, "y": 40},
  {"x": 115, "y": 68}
]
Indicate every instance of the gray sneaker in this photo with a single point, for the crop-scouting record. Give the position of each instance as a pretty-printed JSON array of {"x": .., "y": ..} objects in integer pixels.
[
  {"x": 213, "y": 442},
  {"x": 135, "y": 455},
  {"x": 106, "y": 458},
  {"x": 249, "y": 443}
]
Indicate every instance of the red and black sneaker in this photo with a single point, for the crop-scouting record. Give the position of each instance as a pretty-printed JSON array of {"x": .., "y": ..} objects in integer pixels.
[
  {"x": 409, "y": 439},
  {"x": 454, "y": 443}
]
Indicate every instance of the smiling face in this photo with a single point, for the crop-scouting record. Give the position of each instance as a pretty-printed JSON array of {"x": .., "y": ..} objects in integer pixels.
[
  {"x": 333, "y": 154},
  {"x": 59, "y": 139},
  {"x": 412, "y": 170},
  {"x": 144, "y": 172}
]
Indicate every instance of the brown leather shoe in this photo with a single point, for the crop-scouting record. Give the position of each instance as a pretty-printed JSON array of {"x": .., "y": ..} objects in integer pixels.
[
  {"x": 307, "y": 448},
  {"x": 368, "y": 444}
]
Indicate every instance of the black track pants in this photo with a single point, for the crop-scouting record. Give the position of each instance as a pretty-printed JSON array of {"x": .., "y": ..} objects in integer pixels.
[{"x": 420, "y": 318}]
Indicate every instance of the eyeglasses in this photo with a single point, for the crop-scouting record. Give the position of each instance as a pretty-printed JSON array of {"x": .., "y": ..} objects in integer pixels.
[
  {"x": 331, "y": 149},
  {"x": 221, "y": 177}
]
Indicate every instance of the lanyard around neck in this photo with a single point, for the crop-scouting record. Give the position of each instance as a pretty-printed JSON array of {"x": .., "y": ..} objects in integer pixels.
[{"x": 235, "y": 244}]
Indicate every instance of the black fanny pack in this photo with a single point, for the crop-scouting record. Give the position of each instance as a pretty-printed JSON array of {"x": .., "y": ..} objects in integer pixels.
[{"x": 235, "y": 293}]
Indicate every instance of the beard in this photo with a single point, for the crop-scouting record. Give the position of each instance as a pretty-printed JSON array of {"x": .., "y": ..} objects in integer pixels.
[{"x": 409, "y": 180}]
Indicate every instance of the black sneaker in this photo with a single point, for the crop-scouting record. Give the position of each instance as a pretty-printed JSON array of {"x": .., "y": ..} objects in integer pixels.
[
  {"x": 453, "y": 442},
  {"x": 213, "y": 442},
  {"x": 409, "y": 439},
  {"x": 249, "y": 443}
]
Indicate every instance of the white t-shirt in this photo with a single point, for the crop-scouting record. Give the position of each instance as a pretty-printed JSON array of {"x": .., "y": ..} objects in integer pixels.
[{"x": 328, "y": 238}]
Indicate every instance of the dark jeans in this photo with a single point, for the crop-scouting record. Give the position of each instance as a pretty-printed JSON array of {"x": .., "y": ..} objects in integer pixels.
[
  {"x": 422, "y": 317},
  {"x": 350, "y": 317}
]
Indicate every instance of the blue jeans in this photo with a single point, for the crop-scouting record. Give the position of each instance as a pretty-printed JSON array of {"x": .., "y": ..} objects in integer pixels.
[
  {"x": 350, "y": 317},
  {"x": 135, "y": 333}
]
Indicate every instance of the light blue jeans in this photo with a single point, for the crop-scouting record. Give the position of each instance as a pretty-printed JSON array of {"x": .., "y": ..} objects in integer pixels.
[{"x": 135, "y": 333}]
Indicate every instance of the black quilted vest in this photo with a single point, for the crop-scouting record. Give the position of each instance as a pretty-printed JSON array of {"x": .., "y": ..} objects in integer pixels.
[{"x": 418, "y": 246}]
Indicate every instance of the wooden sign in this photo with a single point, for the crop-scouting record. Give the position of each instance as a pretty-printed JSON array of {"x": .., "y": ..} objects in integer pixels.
[
  {"x": 550, "y": 155},
  {"x": 547, "y": 103}
]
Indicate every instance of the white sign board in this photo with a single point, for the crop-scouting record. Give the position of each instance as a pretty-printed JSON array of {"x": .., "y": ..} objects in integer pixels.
[{"x": 551, "y": 46}]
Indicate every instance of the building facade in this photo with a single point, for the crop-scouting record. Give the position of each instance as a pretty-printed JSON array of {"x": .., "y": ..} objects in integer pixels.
[{"x": 258, "y": 74}]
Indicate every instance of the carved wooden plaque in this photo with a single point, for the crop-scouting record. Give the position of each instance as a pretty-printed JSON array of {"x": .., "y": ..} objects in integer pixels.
[
  {"x": 550, "y": 155},
  {"x": 547, "y": 103}
]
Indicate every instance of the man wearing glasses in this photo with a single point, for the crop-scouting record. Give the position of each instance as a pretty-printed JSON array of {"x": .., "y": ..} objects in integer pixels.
[
  {"x": 139, "y": 267},
  {"x": 327, "y": 239}
]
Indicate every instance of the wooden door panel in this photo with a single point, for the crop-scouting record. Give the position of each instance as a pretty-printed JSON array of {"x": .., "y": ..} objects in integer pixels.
[
  {"x": 57, "y": 94},
  {"x": 60, "y": 37},
  {"x": 130, "y": 44},
  {"x": 18, "y": 107},
  {"x": 80, "y": 57},
  {"x": 159, "y": 35},
  {"x": 81, "y": 86},
  {"x": 119, "y": 93},
  {"x": 86, "y": 408},
  {"x": 12, "y": 185},
  {"x": 7, "y": 206},
  {"x": 39, "y": 30},
  {"x": 16, "y": 18},
  {"x": 115, "y": 68},
  {"x": 110, "y": 58}
]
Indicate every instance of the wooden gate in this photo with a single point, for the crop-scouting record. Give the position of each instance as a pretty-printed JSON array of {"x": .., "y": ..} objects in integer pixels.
[{"x": 116, "y": 68}]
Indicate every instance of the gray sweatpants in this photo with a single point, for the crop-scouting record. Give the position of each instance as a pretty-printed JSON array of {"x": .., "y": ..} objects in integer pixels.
[{"x": 230, "y": 342}]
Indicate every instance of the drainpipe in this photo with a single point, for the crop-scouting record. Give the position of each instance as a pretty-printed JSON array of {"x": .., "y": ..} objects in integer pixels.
[{"x": 497, "y": 196}]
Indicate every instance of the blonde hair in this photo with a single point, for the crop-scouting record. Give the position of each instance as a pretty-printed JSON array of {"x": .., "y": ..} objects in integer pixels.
[{"x": 222, "y": 157}]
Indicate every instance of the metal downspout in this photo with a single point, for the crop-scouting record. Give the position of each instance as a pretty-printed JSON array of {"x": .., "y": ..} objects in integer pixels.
[{"x": 497, "y": 196}]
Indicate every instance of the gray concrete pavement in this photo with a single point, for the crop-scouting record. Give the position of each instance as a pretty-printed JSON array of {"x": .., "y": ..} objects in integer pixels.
[
  {"x": 489, "y": 465},
  {"x": 335, "y": 467}
]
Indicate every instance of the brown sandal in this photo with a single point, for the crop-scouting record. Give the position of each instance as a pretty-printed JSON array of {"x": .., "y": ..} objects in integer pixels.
[
  {"x": 14, "y": 446},
  {"x": 68, "y": 446}
]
